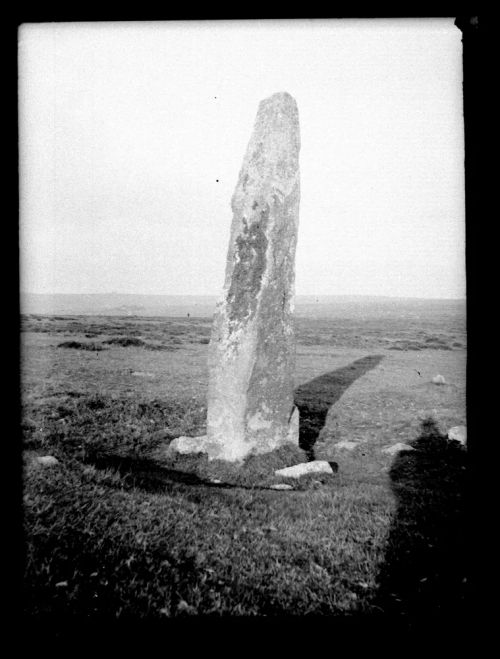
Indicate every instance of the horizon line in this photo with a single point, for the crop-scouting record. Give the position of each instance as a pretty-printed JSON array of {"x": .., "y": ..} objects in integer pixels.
[{"x": 215, "y": 295}]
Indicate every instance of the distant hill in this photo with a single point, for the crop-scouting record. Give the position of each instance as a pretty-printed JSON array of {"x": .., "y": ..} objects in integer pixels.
[
  {"x": 322, "y": 306},
  {"x": 117, "y": 304}
]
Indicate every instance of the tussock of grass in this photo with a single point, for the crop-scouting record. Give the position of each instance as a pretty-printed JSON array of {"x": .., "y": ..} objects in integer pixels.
[
  {"x": 406, "y": 346},
  {"x": 132, "y": 341},
  {"x": 78, "y": 345},
  {"x": 160, "y": 346},
  {"x": 125, "y": 341},
  {"x": 429, "y": 343}
]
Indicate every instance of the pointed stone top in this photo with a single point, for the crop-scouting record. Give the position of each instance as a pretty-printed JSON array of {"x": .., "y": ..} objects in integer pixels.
[
  {"x": 280, "y": 97},
  {"x": 272, "y": 157},
  {"x": 281, "y": 103},
  {"x": 276, "y": 132}
]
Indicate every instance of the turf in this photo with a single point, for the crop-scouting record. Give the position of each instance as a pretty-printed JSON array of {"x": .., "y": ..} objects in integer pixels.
[{"x": 120, "y": 528}]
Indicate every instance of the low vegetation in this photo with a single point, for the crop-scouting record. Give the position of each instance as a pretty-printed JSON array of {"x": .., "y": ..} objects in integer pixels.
[
  {"x": 78, "y": 345},
  {"x": 395, "y": 334},
  {"x": 121, "y": 528},
  {"x": 125, "y": 341}
]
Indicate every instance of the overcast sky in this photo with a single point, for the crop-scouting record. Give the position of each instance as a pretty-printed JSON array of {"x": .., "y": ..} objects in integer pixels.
[{"x": 132, "y": 136}]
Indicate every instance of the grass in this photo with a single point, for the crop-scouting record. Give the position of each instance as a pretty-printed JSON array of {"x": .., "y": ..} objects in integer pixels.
[
  {"x": 73, "y": 426},
  {"x": 396, "y": 333},
  {"x": 101, "y": 546},
  {"x": 121, "y": 529},
  {"x": 78, "y": 345},
  {"x": 125, "y": 341},
  {"x": 116, "y": 530},
  {"x": 122, "y": 341}
]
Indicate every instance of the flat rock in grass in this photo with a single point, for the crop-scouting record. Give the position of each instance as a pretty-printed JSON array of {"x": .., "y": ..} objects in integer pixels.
[
  {"x": 189, "y": 445},
  {"x": 46, "y": 460},
  {"x": 438, "y": 379},
  {"x": 280, "y": 486},
  {"x": 458, "y": 434},
  {"x": 314, "y": 467},
  {"x": 396, "y": 448},
  {"x": 347, "y": 445},
  {"x": 143, "y": 374}
]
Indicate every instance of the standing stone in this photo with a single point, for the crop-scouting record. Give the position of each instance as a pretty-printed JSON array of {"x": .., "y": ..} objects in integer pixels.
[{"x": 252, "y": 347}]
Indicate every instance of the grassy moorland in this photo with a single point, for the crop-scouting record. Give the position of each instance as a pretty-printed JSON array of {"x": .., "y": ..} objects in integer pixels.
[{"x": 120, "y": 529}]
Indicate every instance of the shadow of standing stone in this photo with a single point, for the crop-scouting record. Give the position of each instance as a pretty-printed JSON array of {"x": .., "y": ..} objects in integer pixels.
[{"x": 315, "y": 398}]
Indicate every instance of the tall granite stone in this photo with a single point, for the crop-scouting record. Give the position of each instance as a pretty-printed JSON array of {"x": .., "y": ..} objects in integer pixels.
[{"x": 252, "y": 347}]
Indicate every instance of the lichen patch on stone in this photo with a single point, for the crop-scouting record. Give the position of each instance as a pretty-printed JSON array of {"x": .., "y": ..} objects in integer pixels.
[{"x": 250, "y": 263}]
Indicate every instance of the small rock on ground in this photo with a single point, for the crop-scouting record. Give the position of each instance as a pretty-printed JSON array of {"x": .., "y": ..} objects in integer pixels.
[
  {"x": 280, "y": 486},
  {"x": 345, "y": 444},
  {"x": 458, "y": 434},
  {"x": 438, "y": 379},
  {"x": 46, "y": 460},
  {"x": 314, "y": 467},
  {"x": 186, "y": 445},
  {"x": 395, "y": 448}
]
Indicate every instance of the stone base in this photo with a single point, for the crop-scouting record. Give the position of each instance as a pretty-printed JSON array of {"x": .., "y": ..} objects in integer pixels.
[
  {"x": 234, "y": 451},
  {"x": 229, "y": 452}
]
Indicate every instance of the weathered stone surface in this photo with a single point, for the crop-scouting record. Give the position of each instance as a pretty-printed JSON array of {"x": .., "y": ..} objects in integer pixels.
[
  {"x": 458, "y": 434},
  {"x": 252, "y": 347},
  {"x": 396, "y": 448},
  {"x": 186, "y": 445},
  {"x": 314, "y": 467},
  {"x": 46, "y": 460}
]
